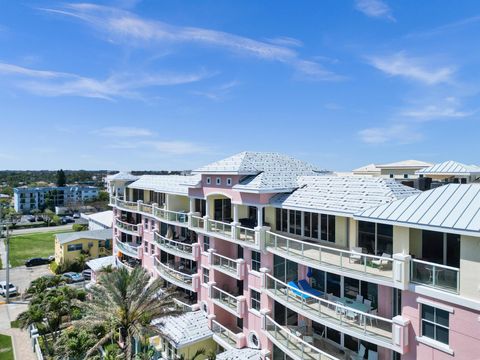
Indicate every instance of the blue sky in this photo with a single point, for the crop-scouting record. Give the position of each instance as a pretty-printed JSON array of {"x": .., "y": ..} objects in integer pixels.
[{"x": 174, "y": 85}]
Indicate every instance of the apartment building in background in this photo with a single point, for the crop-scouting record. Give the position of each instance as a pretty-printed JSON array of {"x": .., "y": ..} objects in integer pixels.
[
  {"x": 26, "y": 199},
  {"x": 278, "y": 260}
]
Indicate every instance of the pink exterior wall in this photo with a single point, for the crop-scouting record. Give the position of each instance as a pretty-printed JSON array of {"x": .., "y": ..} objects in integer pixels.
[{"x": 464, "y": 335}]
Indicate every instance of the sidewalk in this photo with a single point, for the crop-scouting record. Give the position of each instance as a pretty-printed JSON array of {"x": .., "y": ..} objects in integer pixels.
[
  {"x": 21, "y": 342},
  {"x": 3, "y": 254}
]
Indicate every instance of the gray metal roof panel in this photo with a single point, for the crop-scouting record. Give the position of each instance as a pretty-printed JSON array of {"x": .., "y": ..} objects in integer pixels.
[
  {"x": 450, "y": 168},
  {"x": 175, "y": 184}
]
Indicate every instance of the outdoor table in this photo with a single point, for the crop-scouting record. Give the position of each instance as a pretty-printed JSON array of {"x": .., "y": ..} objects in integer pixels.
[{"x": 356, "y": 305}]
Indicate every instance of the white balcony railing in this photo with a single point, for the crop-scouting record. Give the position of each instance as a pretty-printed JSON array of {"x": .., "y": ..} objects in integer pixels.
[
  {"x": 127, "y": 227},
  {"x": 245, "y": 234},
  {"x": 168, "y": 215},
  {"x": 330, "y": 257},
  {"x": 127, "y": 249},
  {"x": 293, "y": 345},
  {"x": 220, "y": 227},
  {"x": 174, "y": 247},
  {"x": 225, "y": 334},
  {"x": 228, "y": 266},
  {"x": 438, "y": 276},
  {"x": 226, "y": 300},
  {"x": 127, "y": 205},
  {"x": 333, "y": 313},
  {"x": 197, "y": 222},
  {"x": 174, "y": 276}
]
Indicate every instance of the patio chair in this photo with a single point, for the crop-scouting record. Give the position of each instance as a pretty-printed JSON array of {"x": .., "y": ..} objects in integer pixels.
[
  {"x": 296, "y": 291},
  {"x": 351, "y": 315},
  {"x": 372, "y": 355},
  {"x": 383, "y": 261},
  {"x": 368, "y": 303},
  {"x": 361, "y": 353},
  {"x": 339, "y": 309},
  {"x": 356, "y": 255},
  {"x": 305, "y": 286},
  {"x": 359, "y": 298},
  {"x": 373, "y": 312}
]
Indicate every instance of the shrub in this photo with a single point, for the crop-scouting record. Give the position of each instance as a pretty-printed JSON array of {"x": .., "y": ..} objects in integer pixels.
[
  {"x": 53, "y": 267},
  {"x": 79, "y": 227},
  {"x": 56, "y": 220}
]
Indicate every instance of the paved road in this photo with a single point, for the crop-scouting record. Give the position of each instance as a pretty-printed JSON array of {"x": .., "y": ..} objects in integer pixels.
[
  {"x": 42, "y": 229},
  {"x": 21, "y": 276}
]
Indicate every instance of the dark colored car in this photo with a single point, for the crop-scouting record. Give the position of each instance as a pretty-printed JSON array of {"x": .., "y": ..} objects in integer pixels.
[{"x": 37, "y": 261}]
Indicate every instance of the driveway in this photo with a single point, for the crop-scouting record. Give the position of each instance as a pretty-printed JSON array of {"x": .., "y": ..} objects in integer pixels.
[{"x": 21, "y": 276}]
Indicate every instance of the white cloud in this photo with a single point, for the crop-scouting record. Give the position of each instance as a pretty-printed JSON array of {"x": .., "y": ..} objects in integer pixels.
[
  {"x": 218, "y": 92},
  {"x": 412, "y": 68},
  {"x": 395, "y": 133},
  {"x": 374, "y": 8},
  {"x": 123, "y": 132},
  {"x": 176, "y": 147},
  {"x": 285, "y": 41},
  {"x": 124, "y": 26},
  {"x": 126, "y": 85},
  {"x": 432, "y": 112}
]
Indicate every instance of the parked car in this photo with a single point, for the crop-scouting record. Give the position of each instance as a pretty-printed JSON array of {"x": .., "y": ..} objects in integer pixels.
[
  {"x": 38, "y": 261},
  {"x": 87, "y": 274},
  {"x": 30, "y": 218},
  {"x": 76, "y": 215},
  {"x": 67, "y": 219},
  {"x": 12, "y": 291},
  {"x": 73, "y": 277}
]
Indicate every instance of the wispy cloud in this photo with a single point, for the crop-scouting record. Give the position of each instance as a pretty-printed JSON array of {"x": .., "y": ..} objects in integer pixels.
[
  {"x": 176, "y": 147},
  {"x": 448, "y": 108},
  {"x": 394, "y": 133},
  {"x": 123, "y": 132},
  {"x": 374, "y": 8},
  {"x": 456, "y": 25},
  {"x": 421, "y": 70},
  {"x": 126, "y": 85},
  {"x": 286, "y": 41},
  {"x": 218, "y": 92},
  {"x": 126, "y": 27}
]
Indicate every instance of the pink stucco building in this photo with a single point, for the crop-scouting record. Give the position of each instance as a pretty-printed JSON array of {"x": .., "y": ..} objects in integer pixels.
[{"x": 289, "y": 262}]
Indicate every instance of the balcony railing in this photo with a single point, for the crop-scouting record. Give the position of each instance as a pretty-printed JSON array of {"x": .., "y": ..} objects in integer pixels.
[
  {"x": 126, "y": 227},
  {"x": 331, "y": 312},
  {"x": 174, "y": 247},
  {"x": 438, "y": 276},
  {"x": 225, "y": 334},
  {"x": 197, "y": 222},
  {"x": 330, "y": 257},
  {"x": 127, "y": 249},
  {"x": 220, "y": 227},
  {"x": 174, "y": 276},
  {"x": 229, "y": 266},
  {"x": 168, "y": 215},
  {"x": 225, "y": 230},
  {"x": 293, "y": 345},
  {"x": 245, "y": 234},
  {"x": 127, "y": 205},
  {"x": 146, "y": 208},
  {"x": 229, "y": 302}
]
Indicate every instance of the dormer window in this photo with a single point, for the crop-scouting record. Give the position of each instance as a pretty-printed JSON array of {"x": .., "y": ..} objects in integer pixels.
[
  {"x": 218, "y": 181},
  {"x": 209, "y": 180}
]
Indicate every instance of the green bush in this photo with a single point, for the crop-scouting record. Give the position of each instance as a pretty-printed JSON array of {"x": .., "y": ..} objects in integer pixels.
[
  {"x": 75, "y": 266},
  {"x": 79, "y": 227},
  {"x": 31, "y": 225},
  {"x": 56, "y": 220},
  {"x": 53, "y": 267}
]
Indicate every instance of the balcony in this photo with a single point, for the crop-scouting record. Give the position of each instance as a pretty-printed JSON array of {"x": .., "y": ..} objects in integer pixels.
[
  {"x": 175, "y": 217},
  {"x": 128, "y": 228},
  {"x": 292, "y": 345},
  {"x": 126, "y": 205},
  {"x": 224, "y": 336},
  {"x": 183, "y": 249},
  {"x": 175, "y": 274},
  {"x": 341, "y": 314},
  {"x": 226, "y": 231},
  {"x": 127, "y": 249},
  {"x": 376, "y": 268},
  {"x": 235, "y": 268},
  {"x": 232, "y": 304},
  {"x": 197, "y": 222},
  {"x": 440, "y": 277}
]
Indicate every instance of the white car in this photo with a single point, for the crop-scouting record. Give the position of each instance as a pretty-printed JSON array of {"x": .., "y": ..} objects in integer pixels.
[{"x": 3, "y": 289}]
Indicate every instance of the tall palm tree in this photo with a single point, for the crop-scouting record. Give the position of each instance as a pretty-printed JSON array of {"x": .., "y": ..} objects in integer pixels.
[{"x": 127, "y": 302}]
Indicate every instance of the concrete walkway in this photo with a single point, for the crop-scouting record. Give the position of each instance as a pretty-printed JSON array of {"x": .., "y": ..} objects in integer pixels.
[
  {"x": 3, "y": 254},
  {"x": 22, "y": 344}
]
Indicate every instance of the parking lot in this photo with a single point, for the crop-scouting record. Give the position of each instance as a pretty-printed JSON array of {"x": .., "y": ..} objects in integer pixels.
[{"x": 21, "y": 276}]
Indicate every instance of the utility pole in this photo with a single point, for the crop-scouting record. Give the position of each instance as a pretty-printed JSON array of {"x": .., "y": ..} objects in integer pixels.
[{"x": 7, "y": 246}]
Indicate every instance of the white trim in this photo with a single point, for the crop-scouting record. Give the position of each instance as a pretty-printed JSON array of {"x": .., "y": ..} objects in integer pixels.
[
  {"x": 255, "y": 273},
  {"x": 444, "y": 296},
  {"x": 255, "y": 312},
  {"x": 435, "y": 344},
  {"x": 434, "y": 304}
]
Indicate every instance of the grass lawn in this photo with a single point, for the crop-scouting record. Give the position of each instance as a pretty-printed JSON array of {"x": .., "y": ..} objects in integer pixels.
[
  {"x": 6, "y": 349},
  {"x": 26, "y": 246}
]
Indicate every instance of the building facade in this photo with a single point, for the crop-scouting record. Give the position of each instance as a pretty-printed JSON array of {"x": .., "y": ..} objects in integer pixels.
[
  {"x": 26, "y": 199},
  {"x": 296, "y": 264}
]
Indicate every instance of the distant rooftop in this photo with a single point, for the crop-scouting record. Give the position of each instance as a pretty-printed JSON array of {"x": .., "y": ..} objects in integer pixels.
[
  {"x": 367, "y": 169},
  {"x": 185, "y": 329},
  {"x": 103, "y": 234},
  {"x": 100, "y": 263},
  {"x": 342, "y": 195},
  {"x": 105, "y": 218},
  {"x": 174, "y": 184},
  {"x": 450, "y": 168},
  {"x": 122, "y": 175},
  {"x": 452, "y": 208},
  {"x": 405, "y": 164},
  {"x": 240, "y": 354}
]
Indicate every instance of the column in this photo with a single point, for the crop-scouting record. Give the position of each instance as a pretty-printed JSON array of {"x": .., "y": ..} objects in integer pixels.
[
  {"x": 235, "y": 213},
  {"x": 259, "y": 216},
  {"x": 192, "y": 205}
]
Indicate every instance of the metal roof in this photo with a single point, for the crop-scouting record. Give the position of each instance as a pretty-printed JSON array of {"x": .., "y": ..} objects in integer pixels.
[
  {"x": 100, "y": 263},
  {"x": 367, "y": 169},
  {"x": 184, "y": 329},
  {"x": 173, "y": 184},
  {"x": 240, "y": 354},
  {"x": 414, "y": 164},
  {"x": 103, "y": 234},
  {"x": 450, "y": 168},
  {"x": 104, "y": 217},
  {"x": 342, "y": 195},
  {"x": 451, "y": 208},
  {"x": 122, "y": 175}
]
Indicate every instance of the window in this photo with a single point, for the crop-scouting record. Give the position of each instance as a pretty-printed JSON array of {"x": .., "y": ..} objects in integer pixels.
[
  {"x": 375, "y": 238},
  {"x": 255, "y": 300},
  {"x": 74, "y": 247},
  {"x": 256, "y": 260},
  {"x": 405, "y": 176},
  {"x": 206, "y": 243},
  {"x": 240, "y": 323},
  {"x": 441, "y": 248},
  {"x": 229, "y": 181},
  {"x": 169, "y": 350},
  {"x": 391, "y": 176},
  {"x": 435, "y": 323},
  {"x": 206, "y": 275},
  {"x": 209, "y": 180},
  {"x": 218, "y": 181}
]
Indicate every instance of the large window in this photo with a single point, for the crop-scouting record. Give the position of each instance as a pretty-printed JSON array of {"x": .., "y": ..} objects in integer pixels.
[
  {"x": 206, "y": 275},
  {"x": 290, "y": 221},
  {"x": 284, "y": 270},
  {"x": 206, "y": 243},
  {"x": 256, "y": 260},
  {"x": 435, "y": 323},
  {"x": 441, "y": 248},
  {"x": 222, "y": 210},
  {"x": 375, "y": 238},
  {"x": 74, "y": 247},
  {"x": 255, "y": 299},
  {"x": 157, "y": 197},
  {"x": 200, "y": 206}
]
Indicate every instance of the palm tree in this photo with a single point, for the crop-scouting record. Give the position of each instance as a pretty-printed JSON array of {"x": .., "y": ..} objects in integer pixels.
[{"x": 127, "y": 302}]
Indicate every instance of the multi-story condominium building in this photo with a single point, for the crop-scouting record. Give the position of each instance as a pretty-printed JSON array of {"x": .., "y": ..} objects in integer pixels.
[
  {"x": 279, "y": 261},
  {"x": 26, "y": 199}
]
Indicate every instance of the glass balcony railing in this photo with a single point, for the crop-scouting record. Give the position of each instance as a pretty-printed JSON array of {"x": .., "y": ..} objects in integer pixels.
[
  {"x": 330, "y": 310},
  {"x": 127, "y": 205},
  {"x": 220, "y": 227},
  {"x": 174, "y": 216},
  {"x": 325, "y": 256},
  {"x": 227, "y": 300},
  {"x": 224, "y": 333},
  {"x": 292, "y": 344},
  {"x": 245, "y": 234},
  {"x": 197, "y": 222},
  {"x": 438, "y": 276},
  {"x": 127, "y": 249},
  {"x": 175, "y": 274},
  {"x": 127, "y": 227},
  {"x": 174, "y": 247},
  {"x": 226, "y": 265}
]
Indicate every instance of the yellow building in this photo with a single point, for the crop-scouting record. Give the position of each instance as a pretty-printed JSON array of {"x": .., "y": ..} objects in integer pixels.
[{"x": 93, "y": 244}]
